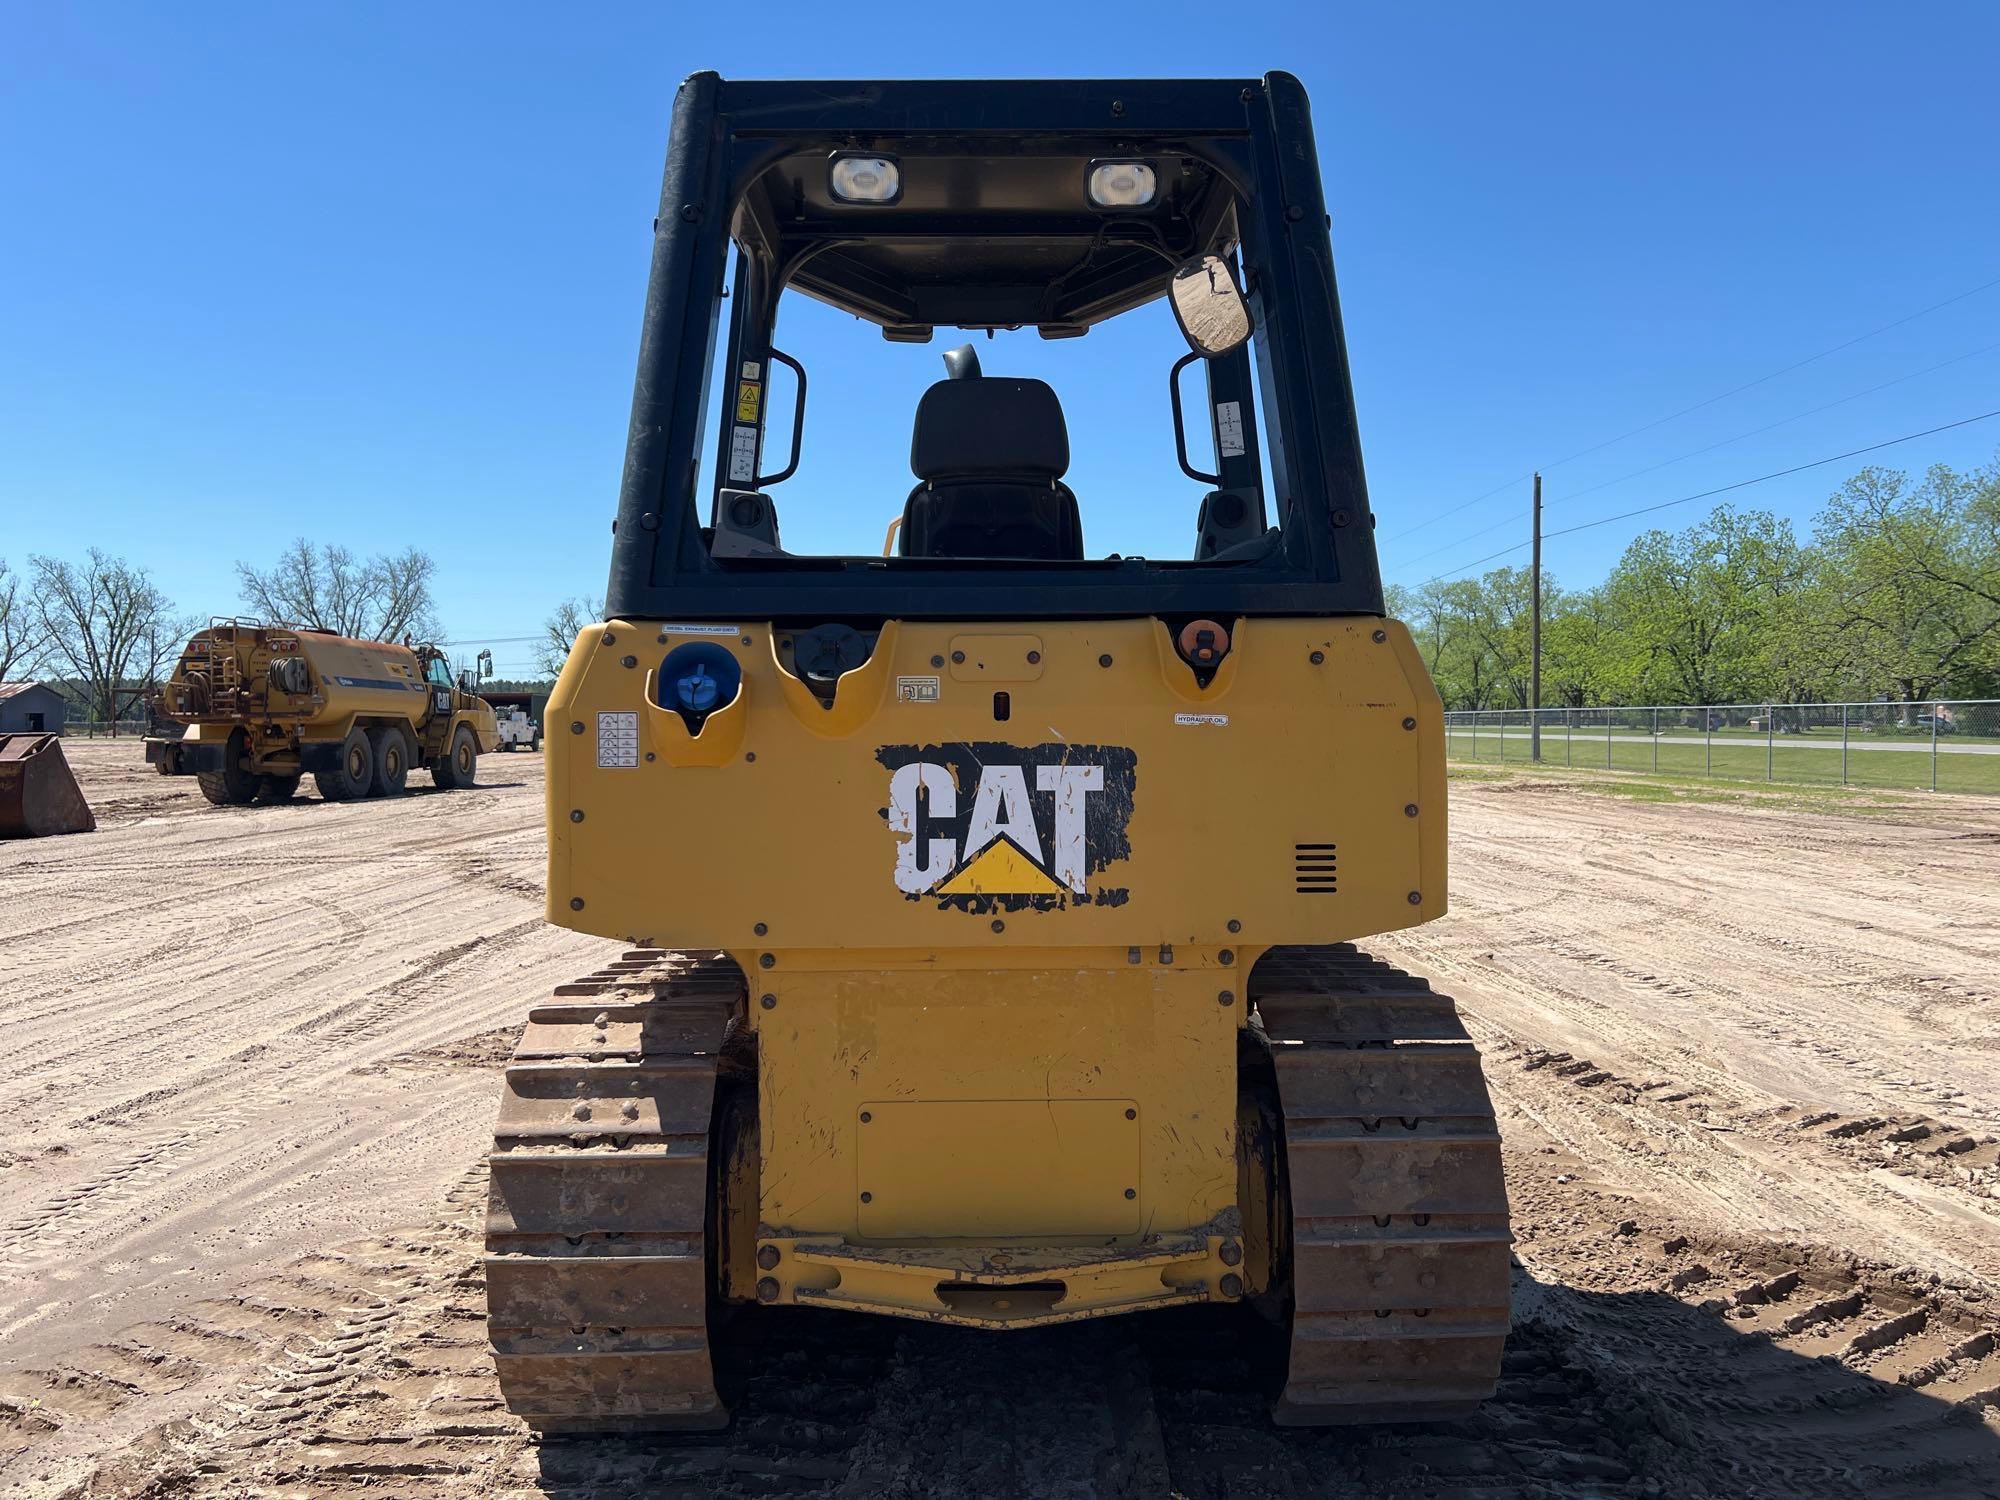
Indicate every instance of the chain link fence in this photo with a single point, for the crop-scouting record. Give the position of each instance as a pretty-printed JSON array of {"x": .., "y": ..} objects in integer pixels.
[{"x": 1949, "y": 745}]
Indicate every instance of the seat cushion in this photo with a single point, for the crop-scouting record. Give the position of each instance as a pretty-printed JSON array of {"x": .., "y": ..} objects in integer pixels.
[{"x": 1020, "y": 519}]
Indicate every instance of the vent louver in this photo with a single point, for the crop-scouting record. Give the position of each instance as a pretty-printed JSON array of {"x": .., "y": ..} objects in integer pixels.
[{"x": 1313, "y": 870}]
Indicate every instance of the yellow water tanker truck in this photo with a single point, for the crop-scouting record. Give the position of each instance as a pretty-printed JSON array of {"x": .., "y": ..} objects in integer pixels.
[{"x": 265, "y": 705}]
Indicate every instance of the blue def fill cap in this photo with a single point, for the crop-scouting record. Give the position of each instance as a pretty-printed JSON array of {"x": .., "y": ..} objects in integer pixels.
[{"x": 698, "y": 678}]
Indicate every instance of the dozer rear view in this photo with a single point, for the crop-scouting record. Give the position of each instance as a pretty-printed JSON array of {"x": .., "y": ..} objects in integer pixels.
[{"x": 991, "y": 904}]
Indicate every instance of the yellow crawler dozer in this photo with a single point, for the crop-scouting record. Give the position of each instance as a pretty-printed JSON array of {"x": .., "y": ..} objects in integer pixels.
[{"x": 990, "y": 904}]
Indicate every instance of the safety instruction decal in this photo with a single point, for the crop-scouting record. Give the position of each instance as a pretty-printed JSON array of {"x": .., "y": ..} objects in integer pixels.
[
  {"x": 1229, "y": 428},
  {"x": 742, "y": 454},
  {"x": 617, "y": 741},
  {"x": 994, "y": 827},
  {"x": 748, "y": 394}
]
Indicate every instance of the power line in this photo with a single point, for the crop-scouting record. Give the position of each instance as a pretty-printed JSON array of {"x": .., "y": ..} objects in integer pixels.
[
  {"x": 1668, "y": 463},
  {"x": 1626, "y": 515},
  {"x": 1782, "y": 421},
  {"x": 1699, "y": 405}
]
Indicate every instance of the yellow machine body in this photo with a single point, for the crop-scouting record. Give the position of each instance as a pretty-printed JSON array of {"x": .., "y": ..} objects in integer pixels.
[{"x": 996, "y": 996}]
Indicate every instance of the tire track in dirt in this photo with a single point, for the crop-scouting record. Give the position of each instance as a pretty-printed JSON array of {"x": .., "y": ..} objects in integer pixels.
[
  {"x": 1647, "y": 1360},
  {"x": 207, "y": 1092}
]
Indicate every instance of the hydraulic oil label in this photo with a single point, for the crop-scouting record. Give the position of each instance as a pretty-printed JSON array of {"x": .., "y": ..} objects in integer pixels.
[{"x": 984, "y": 827}]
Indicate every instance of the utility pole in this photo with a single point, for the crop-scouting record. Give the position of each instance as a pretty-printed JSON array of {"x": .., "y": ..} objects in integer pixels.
[{"x": 1535, "y": 639}]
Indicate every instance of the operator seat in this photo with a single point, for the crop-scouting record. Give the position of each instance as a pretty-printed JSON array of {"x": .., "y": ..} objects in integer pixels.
[{"x": 989, "y": 455}]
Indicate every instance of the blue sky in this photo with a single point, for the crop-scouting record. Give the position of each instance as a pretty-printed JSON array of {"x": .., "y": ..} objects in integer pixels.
[{"x": 373, "y": 273}]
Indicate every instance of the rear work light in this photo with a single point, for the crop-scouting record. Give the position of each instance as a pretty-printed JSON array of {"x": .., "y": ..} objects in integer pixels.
[
  {"x": 1123, "y": 184},
  {"x": 865, "y": 179}
]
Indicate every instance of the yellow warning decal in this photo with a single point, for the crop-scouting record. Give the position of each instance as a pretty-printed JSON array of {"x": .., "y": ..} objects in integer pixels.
[
  {"x": 748, "y": 396},
  {"x": 1001, "y": 869}
]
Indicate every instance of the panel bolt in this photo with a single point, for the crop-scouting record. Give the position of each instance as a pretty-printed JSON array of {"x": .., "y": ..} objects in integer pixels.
[
  {"x": 581, "y": 1112},
  {"x": 1409, "y": 723},
  {"x": 1409, "y": 809},
  {"x": 609, "y": 637},
  {"x": 690, "y": 212},
  {"x": 1234, "y": 925},
  {"x": 958, "y": 656},
  {"x": 1231, "y": 1253},
  {"x": 866, "y": 1116},
  {"x": 651, "y": 756},
  {"x": 1227, "y": 997},
  {"x": 576, "y": 726},
  {"x": 767, "y": 1289},
  {"x": 1294, "y": 213},
  {"x": 867, "y": 1197},
  {"x": 1341, "y": 518},
  {"x": 746, "y": 640},
  {"x": 937, "y": 661},
  {"x": 748, "y": 756},
  {"x": 1227, "y": 955},
  {"x": 998, "y": 925},
  {"x": 628, "y": 661},
  {"x": 1131, "y": 1192},
  {"x": 1232, "y": 1285},
  {"x": 576, "y": 903},
  {"x": 1033, "y": 657},
  {"x": 1416, "y": 898},
  {"x": 767, "y": 1257},
  {"x": 1104, "y": 660},
  {"x": 629, "y": 1110},
  {"x": 766, "y": 960},
  {"x": 1131, "y": 1114},
  {"x": 761, "y": 928},
  {"x": 1379, "y": 637},
  {"x": 1319, "y": 658},
  {"x": 576, "y": 815},
  {"x": 769, "y": 1002}
]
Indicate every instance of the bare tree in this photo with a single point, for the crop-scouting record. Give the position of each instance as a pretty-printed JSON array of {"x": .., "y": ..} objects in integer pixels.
[
  {"x": 105, "y": 624},
  {"x": 328, "y": 588},
  {"x": 559, "y": 632},
  {"x": 20, "y": 632}
]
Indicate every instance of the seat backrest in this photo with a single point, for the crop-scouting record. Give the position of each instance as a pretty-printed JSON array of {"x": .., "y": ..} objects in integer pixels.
[{"x": 989, "y": 453}]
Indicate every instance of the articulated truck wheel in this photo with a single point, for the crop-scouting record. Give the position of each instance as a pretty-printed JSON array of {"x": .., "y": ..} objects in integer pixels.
[
  {"x": 353, "y": 774},
  {"x": 235, "y": 784},
  {"x": 460, "y": 762},
  {"x": 392, "y": 761}
]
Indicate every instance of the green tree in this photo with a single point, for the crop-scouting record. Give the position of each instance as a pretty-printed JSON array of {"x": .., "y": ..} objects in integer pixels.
[
  {"x": 1693, "y": 606},
  {"x": 1916, "y": 577}
]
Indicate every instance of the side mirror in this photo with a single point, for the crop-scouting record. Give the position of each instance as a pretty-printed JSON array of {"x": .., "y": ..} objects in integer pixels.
[{"x": 1209, "y": 306}]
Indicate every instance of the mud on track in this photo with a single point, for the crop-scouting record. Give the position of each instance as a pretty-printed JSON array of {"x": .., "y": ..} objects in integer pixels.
[{"x": 1744, "y": 1054}]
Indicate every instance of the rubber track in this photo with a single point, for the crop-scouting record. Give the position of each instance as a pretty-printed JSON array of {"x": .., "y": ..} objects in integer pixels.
[
  {"x": 1399, "y": 1238},
  {"x": 596, "y": 1227}
]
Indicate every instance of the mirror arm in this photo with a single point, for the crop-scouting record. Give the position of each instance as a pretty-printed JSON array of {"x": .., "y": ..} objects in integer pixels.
[
  {"x": 798, "y": 423},
  {"x": 1180, "y": 427}
]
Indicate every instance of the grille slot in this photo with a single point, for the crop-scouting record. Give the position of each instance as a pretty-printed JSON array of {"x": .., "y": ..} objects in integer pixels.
[{"x": 1313, "y": 872}]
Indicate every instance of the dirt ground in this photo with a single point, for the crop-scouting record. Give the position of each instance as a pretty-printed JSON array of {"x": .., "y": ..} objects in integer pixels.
[{"x": 1745, "y": 1047}]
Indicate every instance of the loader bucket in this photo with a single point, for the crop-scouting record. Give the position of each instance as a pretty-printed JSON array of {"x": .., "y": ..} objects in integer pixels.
[{"x": 38, "y": 794}]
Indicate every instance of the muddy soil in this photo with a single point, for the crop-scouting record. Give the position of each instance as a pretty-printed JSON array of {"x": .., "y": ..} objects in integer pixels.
[{"x": 1745, "y": 1053}]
